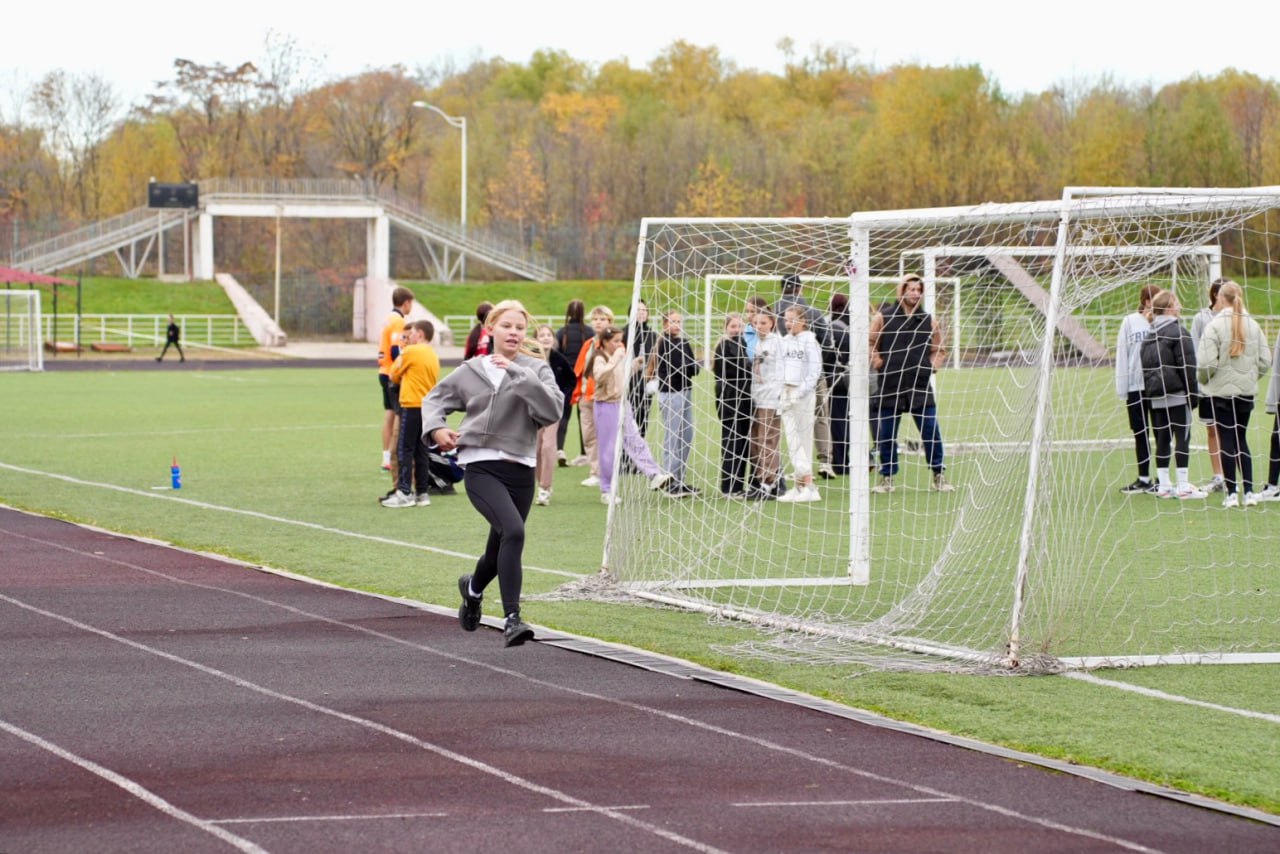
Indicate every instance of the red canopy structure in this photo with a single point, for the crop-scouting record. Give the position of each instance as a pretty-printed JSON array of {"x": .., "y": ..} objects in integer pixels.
[{"x": 15, "y": 276}]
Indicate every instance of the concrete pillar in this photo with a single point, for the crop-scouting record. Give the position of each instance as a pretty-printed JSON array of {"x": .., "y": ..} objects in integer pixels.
[
  {"x": 203, "y": 249},
  {"x": 378, "y": 248}
]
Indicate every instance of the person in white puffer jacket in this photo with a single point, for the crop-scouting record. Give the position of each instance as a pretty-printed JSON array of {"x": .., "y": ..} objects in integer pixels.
[
  {"x": 801, "y": 368},
  {"x": 1232, "y": 357}
]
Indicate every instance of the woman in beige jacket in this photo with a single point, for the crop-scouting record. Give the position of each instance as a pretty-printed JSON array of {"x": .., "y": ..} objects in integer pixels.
[{"x": 1232, "y": 357}]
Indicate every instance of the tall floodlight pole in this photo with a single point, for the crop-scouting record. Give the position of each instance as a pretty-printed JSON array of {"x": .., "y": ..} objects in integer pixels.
[{"x": 459, "y": 122}]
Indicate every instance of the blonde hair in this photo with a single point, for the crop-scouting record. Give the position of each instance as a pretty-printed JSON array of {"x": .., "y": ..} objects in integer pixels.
[
  {"x": 602, "y": 311},
  {"x": 1233, "y": 295},
  {"x": 1162, "y": 302},
  {"x": 529, "y": 346}
]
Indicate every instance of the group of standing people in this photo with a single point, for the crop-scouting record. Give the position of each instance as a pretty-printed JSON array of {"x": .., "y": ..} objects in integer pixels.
[{"x": 1165, "y": 372}]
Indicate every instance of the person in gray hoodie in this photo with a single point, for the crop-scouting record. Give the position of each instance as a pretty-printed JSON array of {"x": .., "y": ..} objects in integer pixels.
[
  {"x": 1232, "y": 357},
  {"x": 1133, "y": 331},
  {"x": 507, "y": 396}
]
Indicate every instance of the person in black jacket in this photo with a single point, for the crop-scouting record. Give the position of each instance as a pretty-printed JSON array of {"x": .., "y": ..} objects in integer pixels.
[
  {"x": 906, "y": 348},
  {"x": 835, "y": 365},
  {"x": 639, "y": 339},
  {"x": 1169, "y": 385},
  {"x": 674, "y": 366},
  {"x": 732, "y": 369},
  {"x": 570, "y": 339},
  {"x": 171, "y": 335}
]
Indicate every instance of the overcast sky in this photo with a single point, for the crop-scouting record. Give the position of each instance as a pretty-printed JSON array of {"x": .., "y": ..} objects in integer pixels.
[{"x": 1022, "y": 46}]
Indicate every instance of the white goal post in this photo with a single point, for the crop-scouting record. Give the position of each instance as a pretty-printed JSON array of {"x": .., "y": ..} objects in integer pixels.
[
  {"x": 1036, "y": 561},
  {"x": 20, "y": 346}
]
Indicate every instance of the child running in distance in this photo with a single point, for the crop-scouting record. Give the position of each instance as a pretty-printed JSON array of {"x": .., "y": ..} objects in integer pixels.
[{"x": 801, "y": 367}]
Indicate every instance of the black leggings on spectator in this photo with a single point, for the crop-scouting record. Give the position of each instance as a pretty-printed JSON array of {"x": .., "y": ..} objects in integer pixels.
[
  {"x": 1172, "y": 427},
  {"x": 1231, "y": 414},
  {"x": 1139, "y": 411},
  {"x": 503, "y": 493},
  {"x": 1273, "y": 467}
]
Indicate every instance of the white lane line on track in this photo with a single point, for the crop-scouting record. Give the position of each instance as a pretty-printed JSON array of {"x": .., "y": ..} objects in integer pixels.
[
  {"x": 383, "y": 729},
  {"x": 1172, "y": 698},
  {"x": 588, "y": 809},
  {"x": 314, "y": 526},
  {"x": 299, "y": 819},
  {"x": 132, "y": 788},
  {"x": 765, "y": 744},
  {"x": 866, "y": 802}
]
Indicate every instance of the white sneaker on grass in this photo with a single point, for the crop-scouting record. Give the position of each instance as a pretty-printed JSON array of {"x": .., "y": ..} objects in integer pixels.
[
  {"x": 1166, "y": 490},
  {"x": 423, "y": 500},
  {"x": 1250, "y": 500},
  {"x": 1230, "y": 501},
  {"x": 591, "y": 481},
  {"x": 660, "y": 480},
  {"x": 544, "y": 497},
  {"x": 810, "y": 495},
  {"x": 399, "y": 499},
  {"x": 792, "y": 495},
  {"x": 1269, "y": 492},
  {"x": 1187, "y": 492}
]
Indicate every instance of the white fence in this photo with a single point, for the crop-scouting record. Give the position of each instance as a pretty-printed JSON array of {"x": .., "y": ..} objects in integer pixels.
[{"x": 143, "y": 330}]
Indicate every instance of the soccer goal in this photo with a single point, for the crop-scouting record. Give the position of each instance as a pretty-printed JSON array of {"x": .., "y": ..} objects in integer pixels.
[
  {"x": 1036, "y": 560},
  {"x": 20, "y": 349}
]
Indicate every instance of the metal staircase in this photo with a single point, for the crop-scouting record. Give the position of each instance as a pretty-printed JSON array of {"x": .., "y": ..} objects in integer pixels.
[{"x": 444, "y": 244}]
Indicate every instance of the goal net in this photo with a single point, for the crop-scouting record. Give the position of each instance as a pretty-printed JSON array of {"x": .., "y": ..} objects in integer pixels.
[
  {"x": 20, "y": 344},
  {"x": 1036, "y": 559}
]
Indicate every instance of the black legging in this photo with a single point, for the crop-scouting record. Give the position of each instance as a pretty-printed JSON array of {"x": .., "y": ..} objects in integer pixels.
[
  {"x": 503, "y": 493},
  {"x": 1231, "y": 414},
  {"x": 1273, "y": 467},
  {"x": 1139, "y": 411},
  {"x": 1172, "y": 427}
]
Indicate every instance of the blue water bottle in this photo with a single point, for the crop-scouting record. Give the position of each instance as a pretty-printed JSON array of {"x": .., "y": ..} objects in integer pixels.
[{"x": 175, "y": 474}]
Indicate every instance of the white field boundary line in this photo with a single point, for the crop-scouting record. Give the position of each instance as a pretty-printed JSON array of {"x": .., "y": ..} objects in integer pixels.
[
  {"x": 139, "y": 792},
  {"x": 313, "y": 526},
  {"x": 194, "y": 432},
  {"x": 374, "y": 726},
  {"x": 1172, "y": 698},
  {"x": 765, "y": 744}
]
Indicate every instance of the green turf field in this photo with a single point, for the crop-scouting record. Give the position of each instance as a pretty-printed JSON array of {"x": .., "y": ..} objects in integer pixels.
[{"x": 280, "y": 468}]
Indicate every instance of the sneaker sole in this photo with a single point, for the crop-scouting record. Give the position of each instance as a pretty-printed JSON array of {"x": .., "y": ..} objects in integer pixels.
[
  {"x": 469, "y": 612},
  {"x": 519, "y": 638}
]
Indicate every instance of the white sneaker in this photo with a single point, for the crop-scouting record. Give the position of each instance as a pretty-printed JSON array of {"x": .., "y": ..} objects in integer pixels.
[
  {"x": 1269, "y": 493},
  {"x": 1166, "y": 490},
  {"x": 591, "y": 481},
  {"x": 792, "y": 495},
  {"x": 885, "y": 484},
  {"x": 1230, "y": 501},
  {"x": 399, "y": 499},
  {"x": 1187, "y": 492},
  {"x": 581, "y": 460},
  {"x": 660, "y": 479},
  {"x": 810, "y": 495},
  {"x": 605, "y": 499},
  {"x": 423, "y": 500},
  {"x": 1215, "y": 485},
  {"x": 544, "y": 497},
  {"x": 1250, "y": 500}
]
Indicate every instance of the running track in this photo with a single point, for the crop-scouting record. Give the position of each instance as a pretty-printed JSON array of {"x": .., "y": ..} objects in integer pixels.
[{"x": 157, "y": 700}]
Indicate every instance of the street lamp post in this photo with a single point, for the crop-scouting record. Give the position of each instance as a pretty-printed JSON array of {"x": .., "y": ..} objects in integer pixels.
[{"x": 459, "y": 122}]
